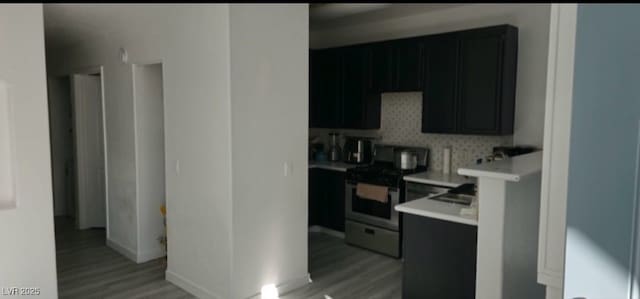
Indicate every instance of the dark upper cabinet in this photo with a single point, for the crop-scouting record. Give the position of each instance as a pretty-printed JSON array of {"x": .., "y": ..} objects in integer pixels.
[
  {"x": 381, "y": 67},
  {"x": 340, "y": 93},
  {"x": 325, "y": 102},
  {"x": 407, "y": 64},
  {"x": 354, "y": 80},
  {"x": 439, "y": 95},
  {"x": 481, "y": 96},
  {"x": 467, "y": 78}
]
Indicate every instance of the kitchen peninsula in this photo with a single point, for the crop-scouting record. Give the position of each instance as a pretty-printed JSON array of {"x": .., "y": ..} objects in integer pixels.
[{"x": 508, "y": 201}]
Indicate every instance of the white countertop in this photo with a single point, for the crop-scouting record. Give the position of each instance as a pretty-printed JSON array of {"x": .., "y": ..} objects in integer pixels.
[
  {"x": 439, "y": 210},
  {"x": 512, "y": 169},
  {"x": 438, "y": 178},
  {"x": 337, "y": 166}
]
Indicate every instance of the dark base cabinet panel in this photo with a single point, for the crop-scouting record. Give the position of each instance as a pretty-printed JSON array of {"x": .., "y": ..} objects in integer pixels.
[
  {"x": 439, "y": 259},
  {"x": 326, "y": 198}
]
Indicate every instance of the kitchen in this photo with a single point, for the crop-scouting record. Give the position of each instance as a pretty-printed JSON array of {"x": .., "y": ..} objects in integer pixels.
[{"x": 397, "y": 119}]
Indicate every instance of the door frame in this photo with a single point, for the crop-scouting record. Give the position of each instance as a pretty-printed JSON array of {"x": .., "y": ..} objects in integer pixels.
[
  {"x": 133, "y": 65},
  {"x": 634, "y": 284},
  {"x": 89, "y": 70}
]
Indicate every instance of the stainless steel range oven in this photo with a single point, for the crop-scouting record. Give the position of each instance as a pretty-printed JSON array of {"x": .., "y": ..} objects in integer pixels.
[
  {"x": 375, "y": 224},
  {"x": 370, "y": 211}
]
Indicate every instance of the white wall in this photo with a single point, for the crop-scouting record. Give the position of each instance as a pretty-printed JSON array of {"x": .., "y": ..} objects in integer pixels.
[
  {"x": 244, "y": 68},
  {"x": 532, "y": 21},
  {"x": 192, "y": 43},
  {"x": 27, "y": 250},
  {"x": 149, "y": 118},
  {"x": 269, "y": 101}
]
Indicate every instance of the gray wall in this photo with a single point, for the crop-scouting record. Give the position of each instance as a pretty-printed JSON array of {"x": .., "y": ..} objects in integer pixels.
[{"x": 603, "y": 151}]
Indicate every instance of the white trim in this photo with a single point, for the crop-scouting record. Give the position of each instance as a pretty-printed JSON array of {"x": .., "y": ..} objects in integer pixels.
[
  {"x": 189, "y": 286},
  {"x": 145, "y": 256},
  {"x": 105, "y": 153},
  {"x": 324, "y": 230},
  {"x": 634, "y": 288},
  {"x": 121, "y": 249},
  {"x": 136, "y": 149},
  {"x": 557, "y": 131}
]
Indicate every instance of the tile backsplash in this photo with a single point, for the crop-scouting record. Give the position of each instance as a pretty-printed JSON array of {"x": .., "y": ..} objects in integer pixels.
[{"x": 401, "y": 124}]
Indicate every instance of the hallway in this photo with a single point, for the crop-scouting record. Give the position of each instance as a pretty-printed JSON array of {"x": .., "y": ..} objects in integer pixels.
[{"x": 87, "y": 268}]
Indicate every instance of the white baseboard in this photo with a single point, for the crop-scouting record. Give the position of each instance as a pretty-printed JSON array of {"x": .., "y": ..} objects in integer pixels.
[
  {"x": 328, "y": 231},
  {"x": 127, "y": 252},
  {"x": 294, "y": 284},
  {"x": 150, "y": 255},
  {"x": 289, "y": 285},
  {"x": 189, "y": 286}
]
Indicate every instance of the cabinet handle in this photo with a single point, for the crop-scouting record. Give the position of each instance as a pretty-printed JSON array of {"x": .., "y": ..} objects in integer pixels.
[{"x": 369, "y": 231}]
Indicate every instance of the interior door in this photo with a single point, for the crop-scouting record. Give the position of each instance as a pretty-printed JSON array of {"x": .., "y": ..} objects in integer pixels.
[
  {"x": 61, "y": 129},
  {"x": 89, "y": 145}
]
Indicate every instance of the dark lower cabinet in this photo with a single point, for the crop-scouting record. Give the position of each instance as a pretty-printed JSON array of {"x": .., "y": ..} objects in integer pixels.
[
  {"x": 439, "y": 259},
  {"x": 326, "y": 198}
]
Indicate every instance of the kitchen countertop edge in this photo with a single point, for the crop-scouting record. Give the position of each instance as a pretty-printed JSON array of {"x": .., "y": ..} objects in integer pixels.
[
  {"x": 336, "y": 166},
  {"x": 420, "y": 207},
  {"x": 437, "y": 178},
  {"x": 512, "y": 169}
]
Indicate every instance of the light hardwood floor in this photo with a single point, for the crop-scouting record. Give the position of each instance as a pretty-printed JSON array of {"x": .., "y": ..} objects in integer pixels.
[{"x": 87, "y": 268}]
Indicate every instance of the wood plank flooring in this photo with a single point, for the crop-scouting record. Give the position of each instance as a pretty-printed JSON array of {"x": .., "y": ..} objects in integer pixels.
[
  {"x": 342, "y": 271},
  {"x": 87, "y": 268}
]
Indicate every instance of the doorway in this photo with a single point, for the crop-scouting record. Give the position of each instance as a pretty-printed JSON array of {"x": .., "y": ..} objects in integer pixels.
[
  {"x": 78, "y": 148},
  {"x": 62, "y": 145},
  {"x": 150, "y": 156}
]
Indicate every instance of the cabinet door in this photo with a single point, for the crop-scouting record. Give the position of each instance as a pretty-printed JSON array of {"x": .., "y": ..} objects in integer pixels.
[
  {"x": 354, "y": 81},
  {"x": 325, "y": 86},
  {"x": 480, "y": 78},
  {"x": 315, "y": 196},
  {"x": 335, "y": 199},
  {"x": 407, "y": 64},
  {"x": 439, "y": 258},
  {"x": 439, "y": 95},
  {"x": 380, "y": 62}
]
